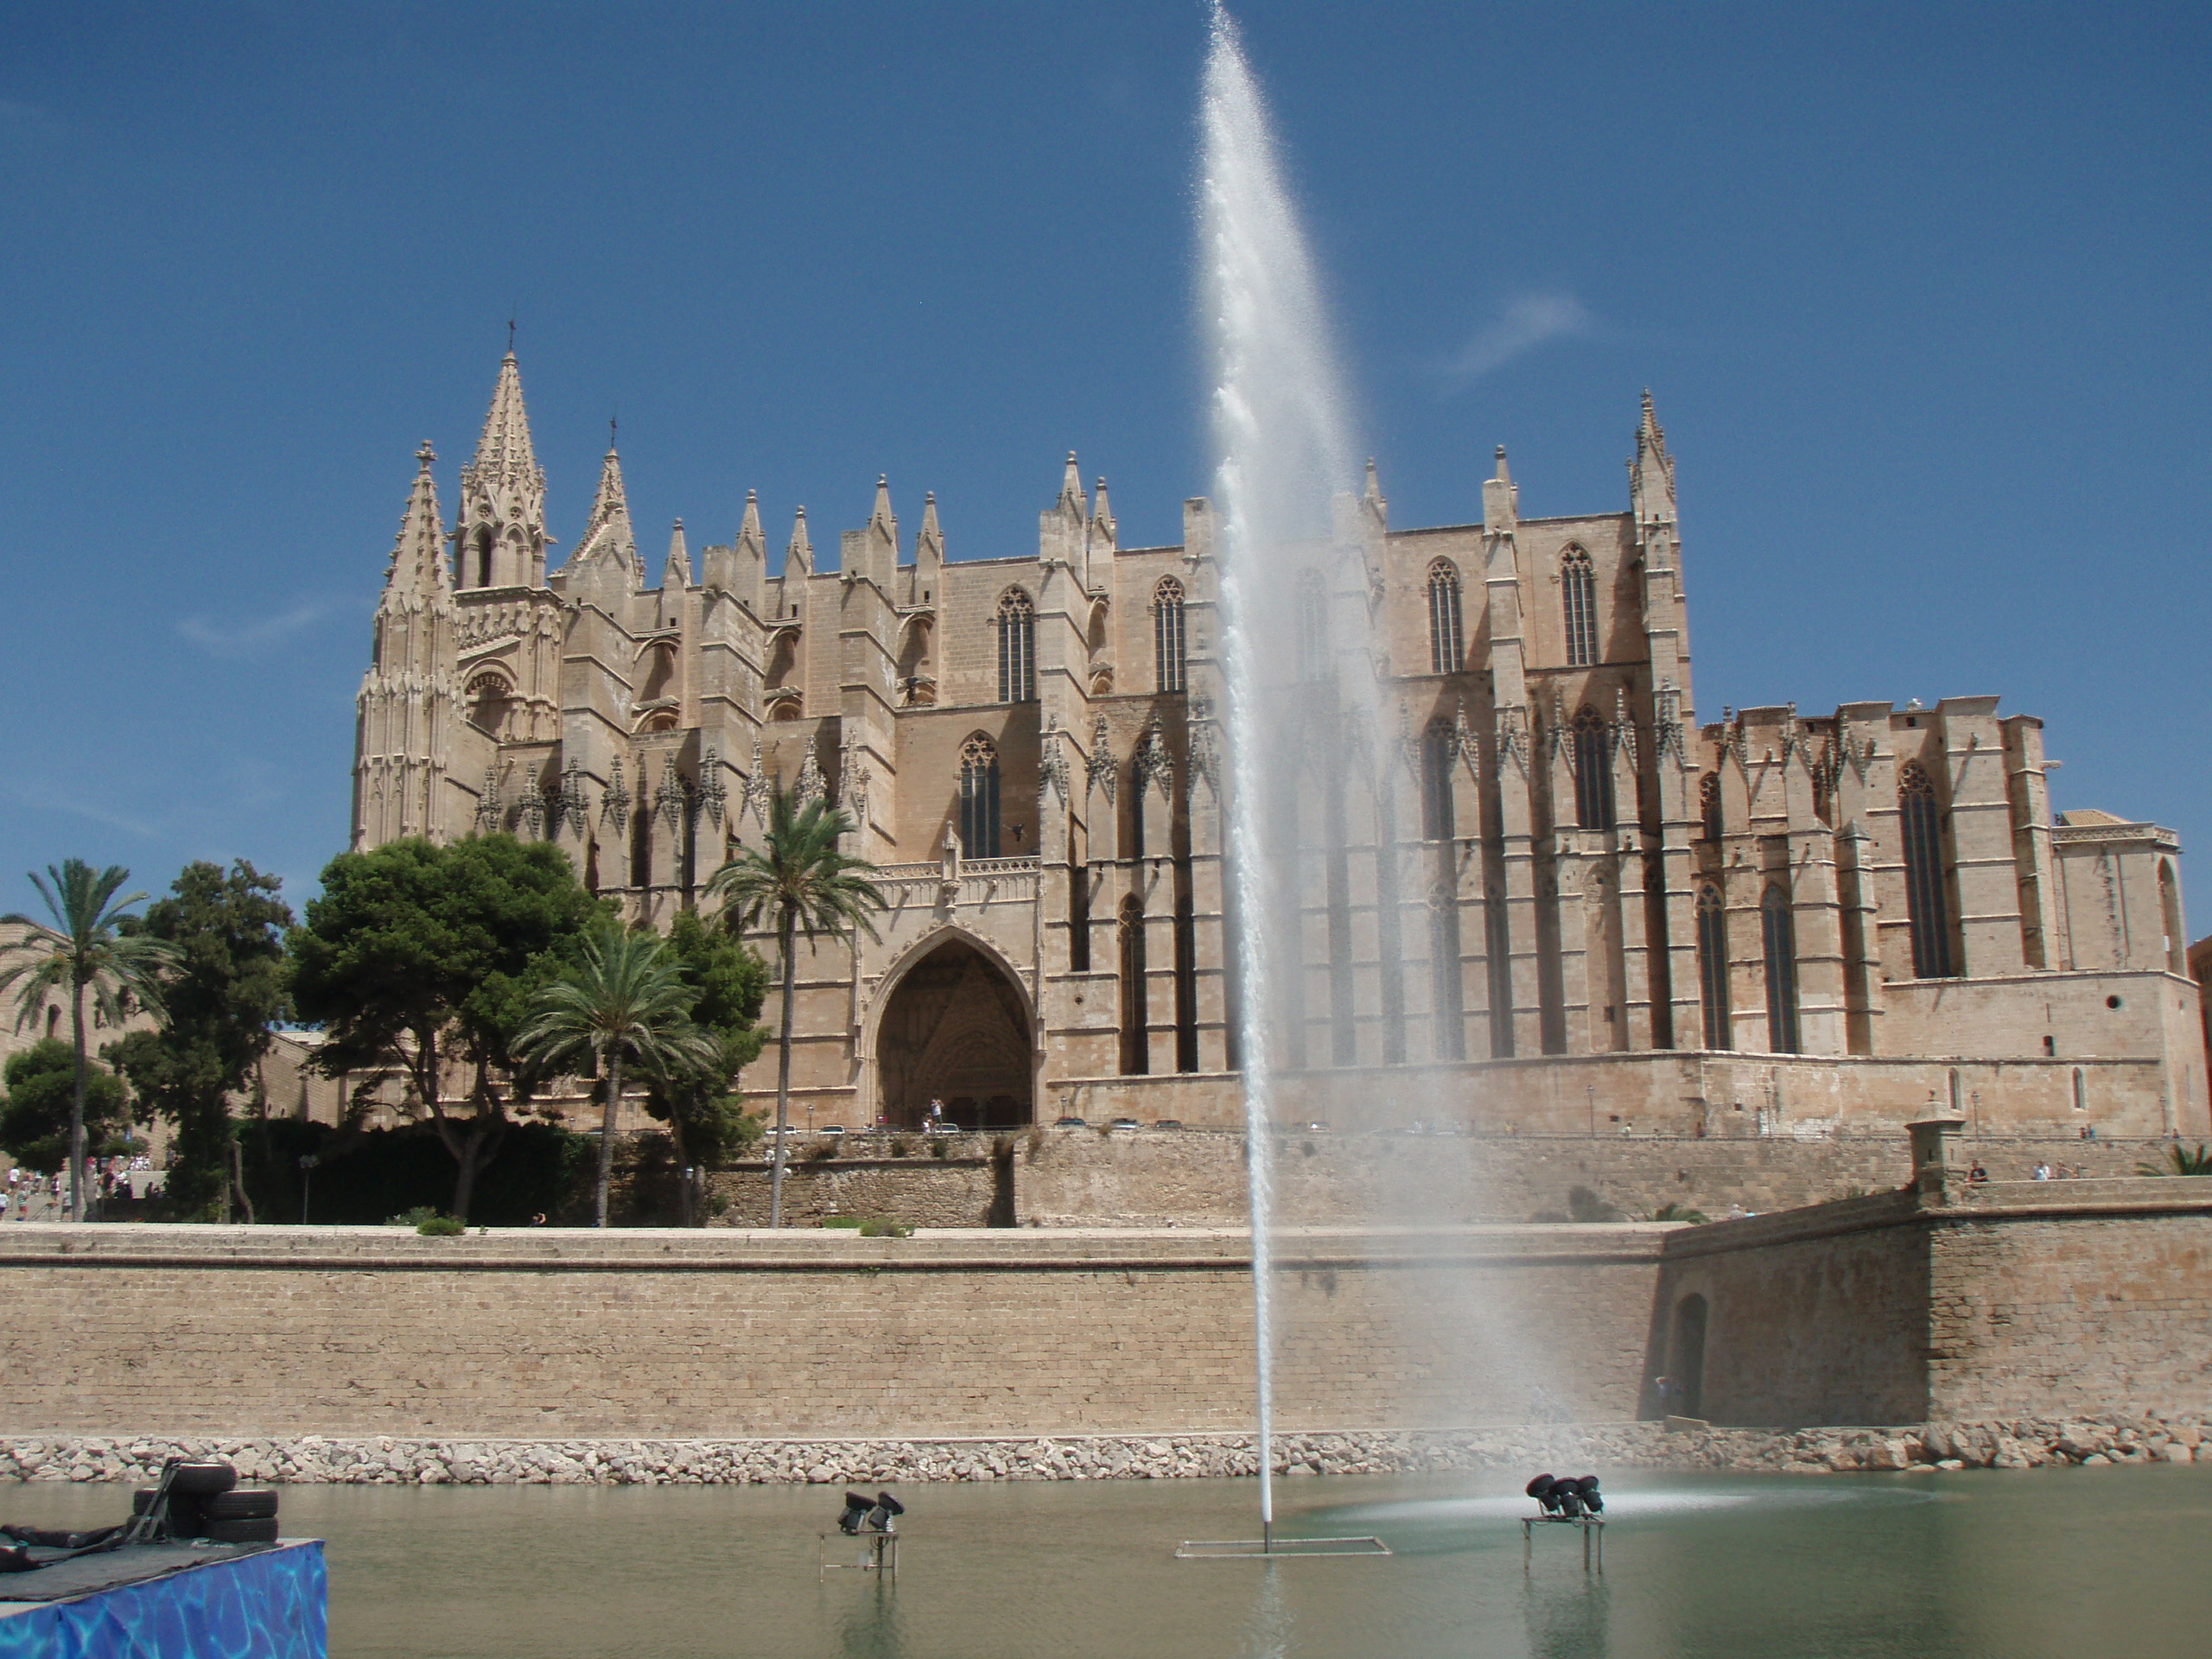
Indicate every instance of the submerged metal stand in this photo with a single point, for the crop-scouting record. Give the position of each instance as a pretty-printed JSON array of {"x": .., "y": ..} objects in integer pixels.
[
  {"x": 880, "y": 1553},
  {"x": 1227, "y": 1550},
  {"x": 1593, "y": 1526}
]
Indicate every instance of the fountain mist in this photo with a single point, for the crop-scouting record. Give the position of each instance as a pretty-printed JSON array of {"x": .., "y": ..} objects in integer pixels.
[{"x": 1280, "y": 438}]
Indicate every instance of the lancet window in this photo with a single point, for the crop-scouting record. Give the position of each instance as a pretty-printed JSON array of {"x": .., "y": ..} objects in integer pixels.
[
  {"x": 1313, "y": 626},
  {"x": 1708, "y": 804},
  {"x": 1926, "y": 897},
  {"x": 1438, "y": 749},
  {"x": 1017, "y": 648},
  {"x": 1579, "y": 589},
  {"x": 1135, "y": 1055},
  {"x": 1778, "y": 935},
  {"x": 1445, "y": 637},
  {"x": 979, "y": 798},
  {"x": 1167, "y": 633},
  {"x": 1593, "y": 772},
  {"x": 1713, "y": 966}
]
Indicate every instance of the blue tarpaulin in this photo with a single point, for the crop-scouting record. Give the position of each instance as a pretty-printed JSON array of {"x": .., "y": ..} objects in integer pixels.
[{"x": 273, "y": 1604}]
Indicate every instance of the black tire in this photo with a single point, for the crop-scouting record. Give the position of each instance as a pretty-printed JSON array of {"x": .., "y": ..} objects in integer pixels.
[
  {"x": 202, "y": 1480},
  {"x": 187, "y": 1516},
  {"x": 259, "y": 1529},
  {"x": 240, "y": 1504}
]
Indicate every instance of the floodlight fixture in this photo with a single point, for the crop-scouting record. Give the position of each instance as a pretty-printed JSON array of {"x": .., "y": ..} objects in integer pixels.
[{"x": 858, "y": 1506}]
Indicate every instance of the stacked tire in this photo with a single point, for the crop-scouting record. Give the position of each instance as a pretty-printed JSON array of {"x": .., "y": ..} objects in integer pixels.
[{"x": 207, "y": 1501}]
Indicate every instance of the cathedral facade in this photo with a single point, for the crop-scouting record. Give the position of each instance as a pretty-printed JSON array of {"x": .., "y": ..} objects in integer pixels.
[{"x": 1542, "y": 897}]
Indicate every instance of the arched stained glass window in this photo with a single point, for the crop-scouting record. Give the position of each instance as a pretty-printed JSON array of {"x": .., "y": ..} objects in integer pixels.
[
  {"x": 1446, "y": 646},
  {"x": 1167, "y": 633},
  {"x": 1593, "y": 772},
  {"x": 1313, "y": 626},
  {"x": 1778, "y": 936},
  {"x": 1713, "y": 966},
  {"x": 1578, "y": 590},
  {"x": 1439, "y": 748},
  {"x": 1926, "y": 890},
  {"x": 979, "y": 798},
  {"x": 1017, "y": 648}
]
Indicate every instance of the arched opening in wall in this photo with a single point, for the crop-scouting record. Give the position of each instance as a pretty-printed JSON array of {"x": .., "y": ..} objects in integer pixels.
[
  {"x": 1445, "y": 631},
  {"x": 484, "y": 556},
  {"x": 1578, "y": 596},
  {"x": 1708, "y": 804},
  {"x": 956, "y": 1030},
  {"x": 660, "y": 672},
  {"x": 2177, "y": 943},
  {"x": 1594, "y": 771},
  {"x": 979, "y": 798},
  {"x": 54, "y": 1022},
  {"x": 1440, "y": 749},
  {"x": 1686, "y": 1358},
  {"x": 1187, "y": 987},
  {"x": 1099, "y": 651},
  {"x": 918, "y": 665},
  {"x": 1778, "y": 933},
  {"x": 1136, "y": 1059},
  {"x": 786, "y": 709},
  {"x": 1167, "y": 634},
  {"x": 490, "y": 699},
  {"x": 1712, "y": 967},
  {"x": 658, "y": 720},
  {"x": 1926, "y": 880},
  {"x": 782, "y": 662},
  {"x": 1017, "y": 647}
]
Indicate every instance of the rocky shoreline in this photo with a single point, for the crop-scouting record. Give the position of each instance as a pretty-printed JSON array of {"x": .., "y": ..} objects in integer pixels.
[{"x": 392, "y": 1461}]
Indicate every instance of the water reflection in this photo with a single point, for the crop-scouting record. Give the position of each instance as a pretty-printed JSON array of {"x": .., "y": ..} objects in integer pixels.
[{"x": 2040, "y": 1565}]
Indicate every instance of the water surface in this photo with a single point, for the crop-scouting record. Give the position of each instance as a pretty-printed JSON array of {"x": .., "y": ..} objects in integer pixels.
[{"x": 1989, "y": 1565}]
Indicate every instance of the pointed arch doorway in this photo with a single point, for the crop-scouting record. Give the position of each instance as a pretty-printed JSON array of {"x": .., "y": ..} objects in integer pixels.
[{"x": 955, "y": 1029}]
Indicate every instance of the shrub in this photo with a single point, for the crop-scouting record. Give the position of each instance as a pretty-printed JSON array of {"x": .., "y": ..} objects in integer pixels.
[
  {"x": 822, "y": 1151},
  {"x": 414, "y": 1217},
  {"x": 900, "y": 1146},
  {"x": 940, "y": 1146},
  {"x": 844, "y": 1221},
  {"x": 442, "y": 1227},
  {"x": 2182, "y": 1161},
  {"x": 885, "y": 1227},
  {"x": 1680, "y": 1212}
]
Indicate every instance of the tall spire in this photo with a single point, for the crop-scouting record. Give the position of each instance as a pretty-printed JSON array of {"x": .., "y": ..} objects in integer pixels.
[
  {"x": 607, "y": 530},
  {"x": 1651, "y": 473},
  {"x": 1071, "y": 500},
  {"x": 504, "y": 452},
  {"x": 418, "y": 562},
  {"x": 499, "y": 529}
]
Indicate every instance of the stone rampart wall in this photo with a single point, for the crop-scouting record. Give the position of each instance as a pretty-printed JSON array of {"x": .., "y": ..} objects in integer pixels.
[
  {"x": 544, "y": 1334},
  {"x": 2080, "y": 1299}
]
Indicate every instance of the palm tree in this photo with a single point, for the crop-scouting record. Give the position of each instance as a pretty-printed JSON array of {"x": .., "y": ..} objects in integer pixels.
[
  {"x": 82, "y": 951},
  {"x": 622, "y": 997},
  {"x": 799, "y": 879},
  {"x": 2182, "y": 1161}
]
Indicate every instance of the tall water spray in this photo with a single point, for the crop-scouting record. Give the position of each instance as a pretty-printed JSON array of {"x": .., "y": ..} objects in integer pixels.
[{"x": 1283, "y": 451}]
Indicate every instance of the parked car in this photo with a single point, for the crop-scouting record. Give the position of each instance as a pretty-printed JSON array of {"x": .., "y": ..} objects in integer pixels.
[
  {"x": 1167, "y": 1124},
  {"x": 1125, "y": 1123},
  {"x": 1069, "y": 1123},
  {"x": 831, "y": 1129}
]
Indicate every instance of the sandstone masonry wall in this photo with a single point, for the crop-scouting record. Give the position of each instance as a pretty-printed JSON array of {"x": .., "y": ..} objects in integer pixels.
[{"x": 548, "y": 1334}]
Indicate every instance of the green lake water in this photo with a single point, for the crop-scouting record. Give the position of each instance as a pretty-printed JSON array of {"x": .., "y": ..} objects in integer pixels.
[{"x": 2072, "y": 1564}]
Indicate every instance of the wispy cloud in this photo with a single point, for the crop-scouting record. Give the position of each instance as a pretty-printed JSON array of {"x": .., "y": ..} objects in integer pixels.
[
  {"x": 48, "y": 798},
  {"x": 1526, "y": 322},
  {"x": 238, "y": 636}
]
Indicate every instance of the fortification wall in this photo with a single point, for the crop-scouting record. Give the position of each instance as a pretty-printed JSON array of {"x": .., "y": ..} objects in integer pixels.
[
  {"x": 553, "y": 1334},
  {"x": 2027, "y": 1300}
]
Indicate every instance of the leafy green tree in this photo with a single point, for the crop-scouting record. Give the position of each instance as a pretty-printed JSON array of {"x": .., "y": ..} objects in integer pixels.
[
  {"x": 85, "y": 952},
  {"x": 705, "y": 1119},
  {"x": 228, "y": 931},
  {"x": 622, "y": 998},
  {"x": 35, "y": 1121},
  {"x": 799, "y": 879},
  {"x": 424, "y": 958}
]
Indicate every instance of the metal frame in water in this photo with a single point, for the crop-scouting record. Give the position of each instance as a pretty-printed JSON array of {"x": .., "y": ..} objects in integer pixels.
[{"x": 1591, "y": 1525}]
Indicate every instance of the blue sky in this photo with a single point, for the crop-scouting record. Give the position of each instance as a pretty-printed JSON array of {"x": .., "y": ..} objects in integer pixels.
[{"x": 1924, "y": 294}]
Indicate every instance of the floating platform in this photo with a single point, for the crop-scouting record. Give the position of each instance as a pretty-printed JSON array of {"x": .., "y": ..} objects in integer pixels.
[{"x": 172, "y": 1601}]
